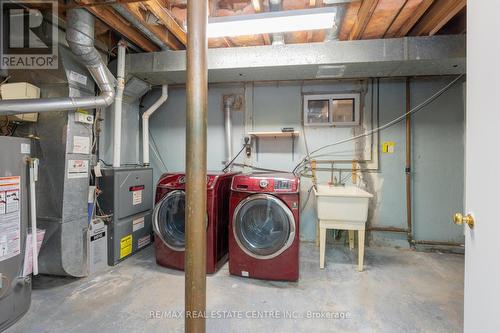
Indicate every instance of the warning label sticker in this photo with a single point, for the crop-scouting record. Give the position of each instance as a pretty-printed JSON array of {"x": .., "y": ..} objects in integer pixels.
[
  {"x": 81, "y": 145},
  {"x": 136, "y": 197},
  {"x": 143, "y": 241},
  {"x": 137, "y": 224},
  {"x": 125, "y": 246},
  {"x": 10, "y": 217},
  {"x": 78, "y": 169}
]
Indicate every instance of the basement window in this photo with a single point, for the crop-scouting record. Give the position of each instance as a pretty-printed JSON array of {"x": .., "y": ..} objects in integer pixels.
[{"x": 331, "y": 110}]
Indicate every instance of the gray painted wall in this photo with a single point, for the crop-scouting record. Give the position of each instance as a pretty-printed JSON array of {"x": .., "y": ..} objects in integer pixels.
[{"x": 438, "y": 146}]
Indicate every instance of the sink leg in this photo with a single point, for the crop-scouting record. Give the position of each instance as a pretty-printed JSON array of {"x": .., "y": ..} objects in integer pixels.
[
  {"x": 317, "y": 233},
  {"x": 351, "y": 239},
  {"x": 361, "y": 249},
  {"x": 322, "y": 243}
]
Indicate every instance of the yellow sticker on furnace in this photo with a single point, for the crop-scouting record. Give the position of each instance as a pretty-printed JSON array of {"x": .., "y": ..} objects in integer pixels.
[{"x": 125, "y": 246}]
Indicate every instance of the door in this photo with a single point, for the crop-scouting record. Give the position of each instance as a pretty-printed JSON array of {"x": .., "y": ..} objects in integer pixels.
[
  {"x": 263, "y": 226},
  {"x": 168, "y": 220},
  {"x": 482, "y": 179}
]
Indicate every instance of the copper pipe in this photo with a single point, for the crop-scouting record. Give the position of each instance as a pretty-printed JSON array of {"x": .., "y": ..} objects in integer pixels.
[
  {"x": 408, "y": 163},
  {"x": 388, "y": 229},
  {"x": 196, "y": 166}
]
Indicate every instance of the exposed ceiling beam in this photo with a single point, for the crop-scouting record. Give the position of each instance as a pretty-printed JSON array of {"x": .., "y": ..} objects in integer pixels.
[
  {"x": 413, "y": 19},
  {"x": 394, "y": 19},
  {"x": 112, "y": 19},
  {"x": 97, "y": 3},
  {"x": 312, "y": 4},
  {"x": 258, "y": 6},
  {"x": 167, "y": 19},
  {"x": 364, "y": 15},
  {"x": 159, "y": 31},
  {"x": 437, "y": 16},
  {"x": 457, "y": 25}
]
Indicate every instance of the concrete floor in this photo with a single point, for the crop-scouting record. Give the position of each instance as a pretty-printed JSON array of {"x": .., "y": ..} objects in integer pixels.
[{"x": 399, "y": 291}]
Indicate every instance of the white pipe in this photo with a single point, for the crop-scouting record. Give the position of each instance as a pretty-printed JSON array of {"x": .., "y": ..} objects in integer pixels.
[
  {"x": 34, "y": 245},
  {"x": 228, "y": 106},
  {"x": 145, "y": 123},
  {"x": 120, "y": 86}
]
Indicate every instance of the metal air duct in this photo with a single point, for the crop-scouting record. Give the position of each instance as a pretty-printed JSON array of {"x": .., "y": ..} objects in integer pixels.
[{"x": 80, "y": 37}]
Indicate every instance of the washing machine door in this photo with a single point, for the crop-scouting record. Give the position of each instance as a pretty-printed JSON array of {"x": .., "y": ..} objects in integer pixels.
[
  {"x": 168, "y": 220},
  {"x": 263, "y": 226}
]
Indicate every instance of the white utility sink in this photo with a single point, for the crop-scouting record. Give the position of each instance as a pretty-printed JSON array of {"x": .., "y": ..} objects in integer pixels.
[
  {"x": 342, "y": 203},
  {"x": 341, "y": 208}
]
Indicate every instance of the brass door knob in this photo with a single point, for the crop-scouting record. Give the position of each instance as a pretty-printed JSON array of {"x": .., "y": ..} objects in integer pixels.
[{"x": 460, "y": 219}]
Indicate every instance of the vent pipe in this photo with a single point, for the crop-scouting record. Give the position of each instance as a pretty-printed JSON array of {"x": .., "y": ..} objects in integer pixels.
[
  {"x": 118, "y": 105},
  {"x": 228, "y": 107},
  {"x": 80, "y": 37},
  {"x": 145, "y": 123}
]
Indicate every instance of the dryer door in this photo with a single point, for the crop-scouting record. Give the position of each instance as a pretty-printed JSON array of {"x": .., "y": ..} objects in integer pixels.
[
  {"x": 263, "y": 226},
  {"x": 168, "y": 221}
]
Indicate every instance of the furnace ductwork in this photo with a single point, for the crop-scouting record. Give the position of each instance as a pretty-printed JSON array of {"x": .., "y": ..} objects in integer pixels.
[{"x": 80, "y": 37}]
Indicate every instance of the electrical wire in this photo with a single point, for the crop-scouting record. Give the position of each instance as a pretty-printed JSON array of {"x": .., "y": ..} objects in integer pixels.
[
  {"x": 234, "y": 158},
  {"x": 307, "y": 198},
  {"x": 124, "y": 164},
  {"x": 156, "y": 150},
  {"x": 259, "y": 168},
  {"x": 383, "y": 127}
]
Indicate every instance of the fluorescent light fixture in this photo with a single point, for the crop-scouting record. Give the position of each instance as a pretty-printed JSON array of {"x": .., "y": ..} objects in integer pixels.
[{"x": 270, "y": 22}]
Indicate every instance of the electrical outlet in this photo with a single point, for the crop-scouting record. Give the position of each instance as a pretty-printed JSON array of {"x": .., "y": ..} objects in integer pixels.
[{"x": 248, "y": 150}]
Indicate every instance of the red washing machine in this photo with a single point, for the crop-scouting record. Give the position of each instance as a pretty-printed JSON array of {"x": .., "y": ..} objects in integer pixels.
[
  {"x": 264, "y": 226},
  {"x": 168, "y": 220}
]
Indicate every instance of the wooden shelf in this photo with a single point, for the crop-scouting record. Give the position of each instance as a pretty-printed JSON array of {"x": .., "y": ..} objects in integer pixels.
[{"x": 274, "y": 134}]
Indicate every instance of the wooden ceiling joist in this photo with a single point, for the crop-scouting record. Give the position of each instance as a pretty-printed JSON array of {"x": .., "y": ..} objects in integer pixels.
[
  {"x": 121, "y": 26},
  {"x": 413, "y": 19},
  {"x": 364, "y": 15},
  {"x": 167, "y": 19},
  {"x": 160, "y": 31},
  {"x": 258, "y": 6},
  {"x": 440, "y": 13},
  {"x": 97, "y": 3},
  {"x": 312, "y": 4}
]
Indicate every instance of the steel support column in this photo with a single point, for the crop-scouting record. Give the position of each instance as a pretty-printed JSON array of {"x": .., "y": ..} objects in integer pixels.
[{"x": 196, "y": 165}]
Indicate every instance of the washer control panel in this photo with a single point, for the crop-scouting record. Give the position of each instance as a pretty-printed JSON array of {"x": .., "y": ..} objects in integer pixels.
[
  {"x": 282, "y": 184},
  {"x": 266, "y": 183},
  {"x": 263, "y": 183}
]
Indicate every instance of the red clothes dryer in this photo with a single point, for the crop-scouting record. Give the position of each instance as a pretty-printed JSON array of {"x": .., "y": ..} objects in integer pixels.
[
  {"x": 264, "y": 226},
  {"x": 169, "y": 215}
]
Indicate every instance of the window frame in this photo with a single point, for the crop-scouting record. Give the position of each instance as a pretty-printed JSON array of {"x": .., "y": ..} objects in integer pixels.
[{"x": 331, "y": 98}]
